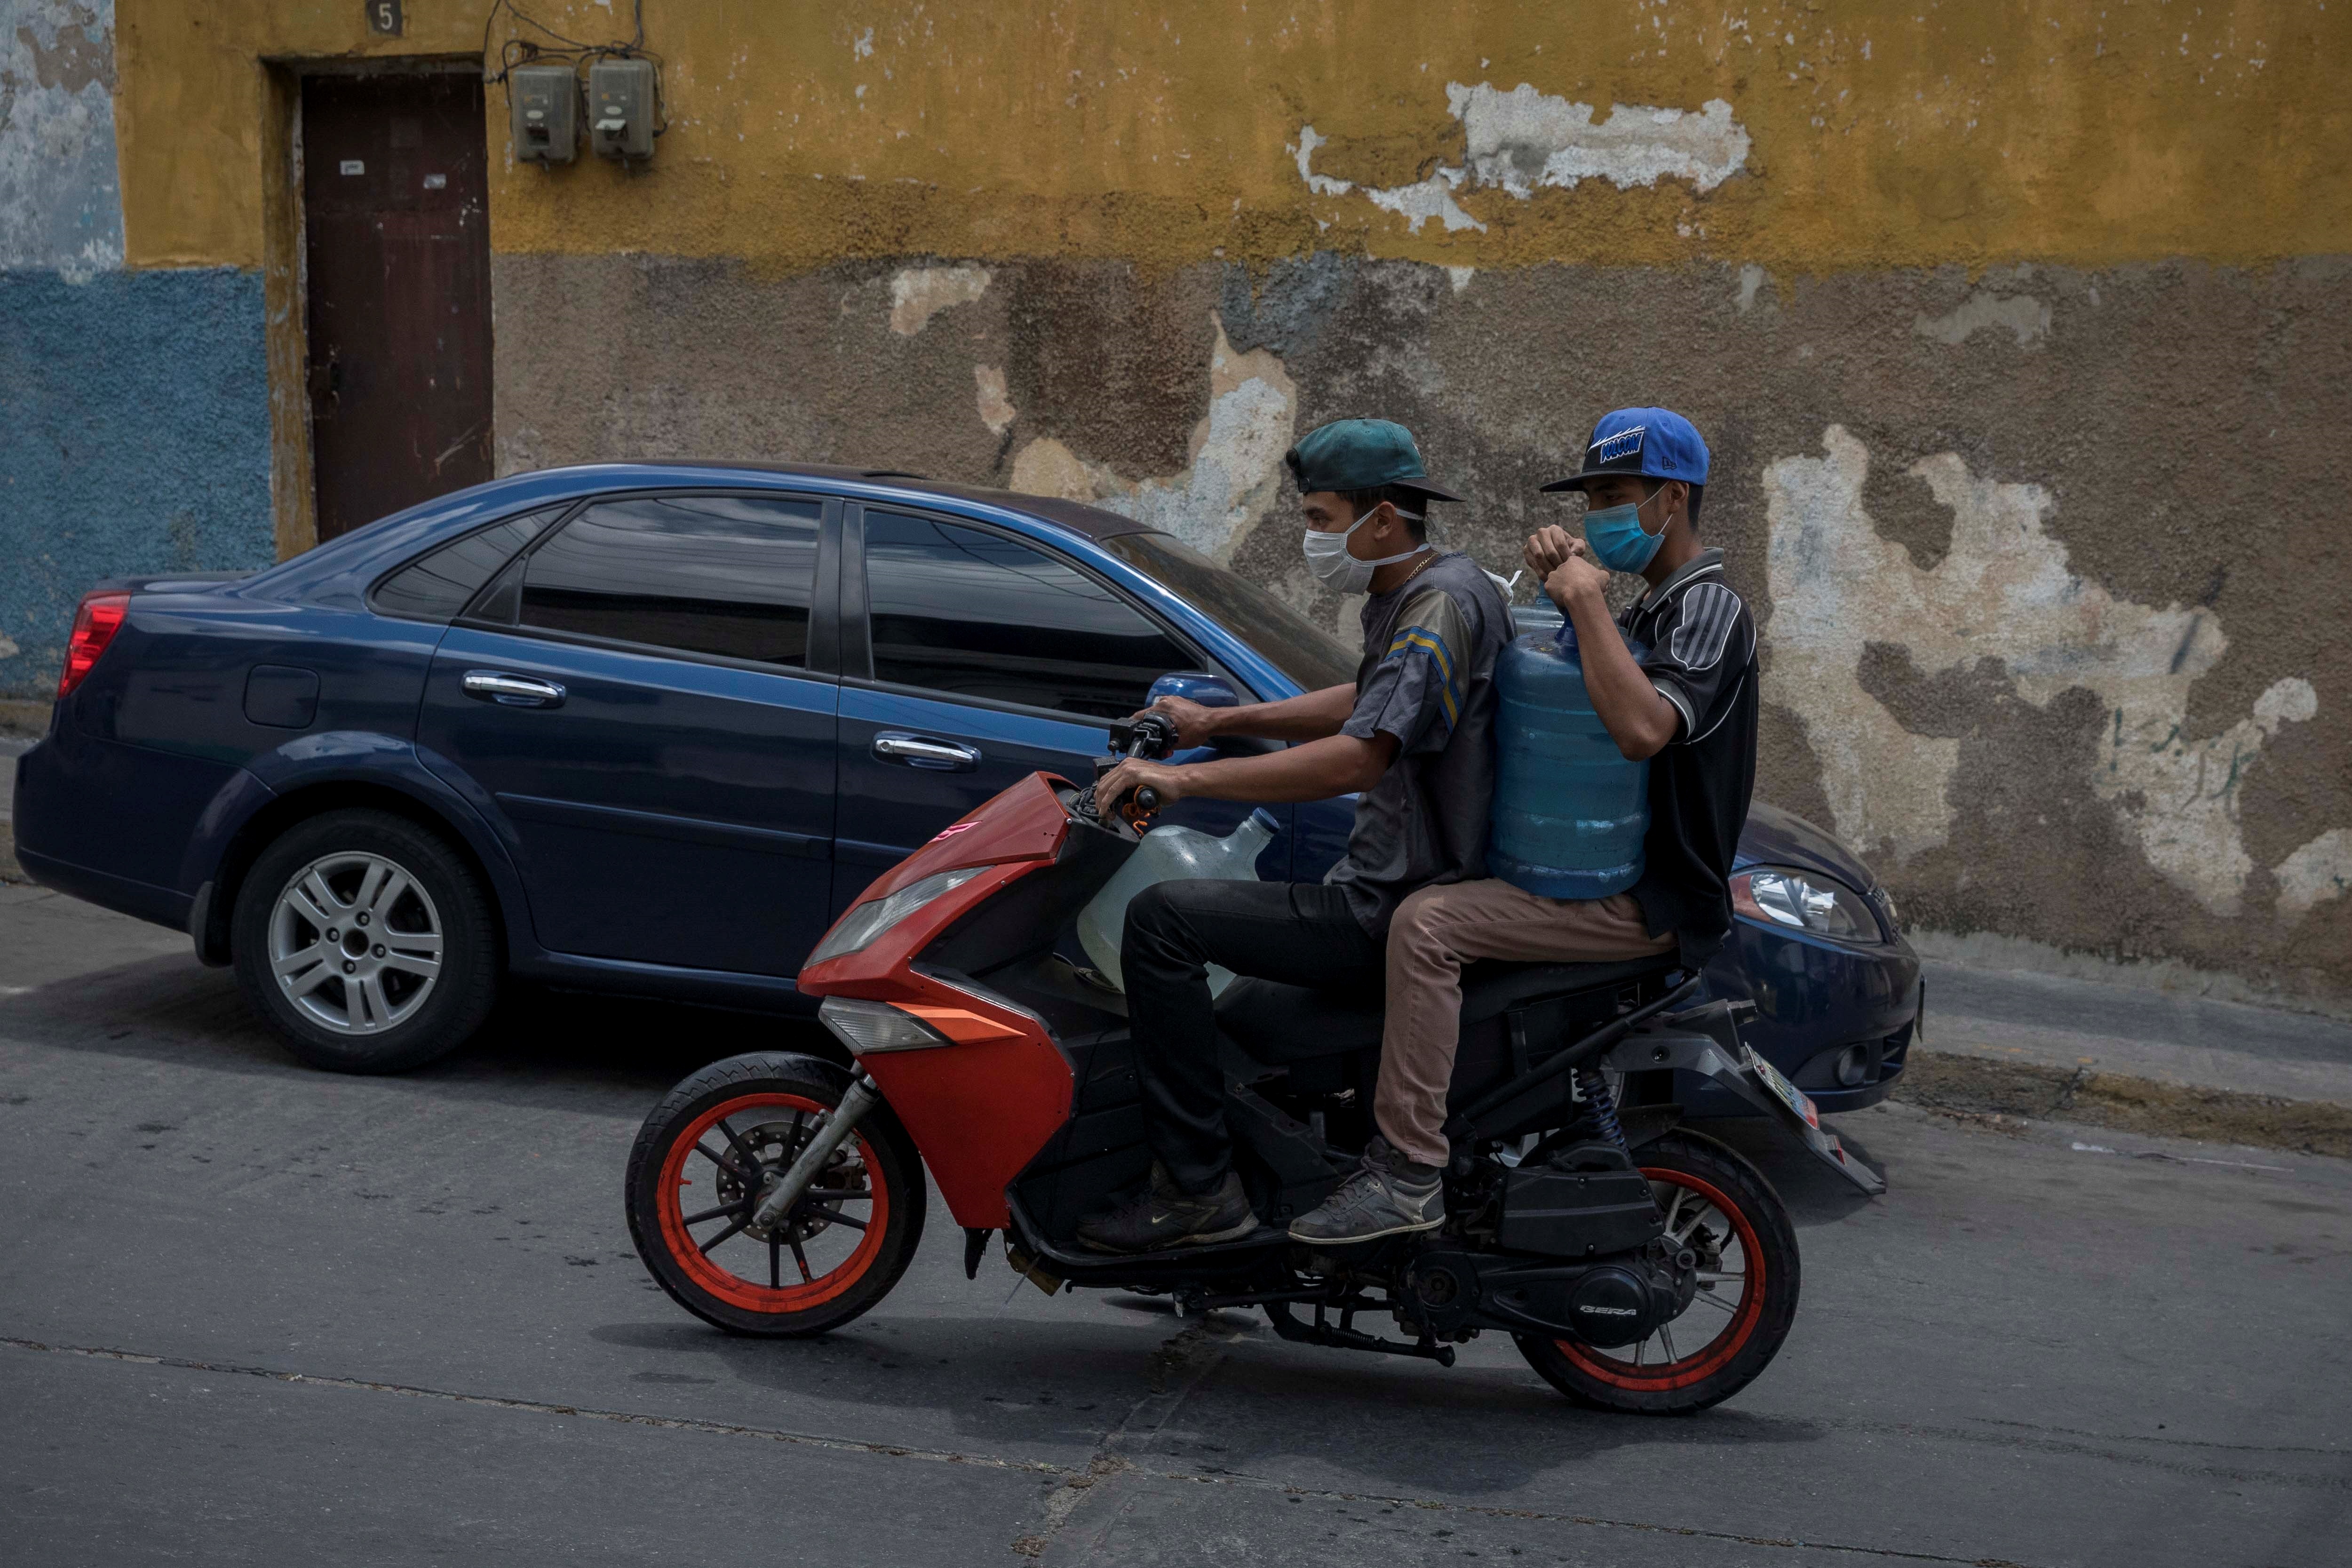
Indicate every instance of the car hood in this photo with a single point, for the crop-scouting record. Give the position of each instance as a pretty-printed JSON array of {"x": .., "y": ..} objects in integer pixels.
[{"x": 1778, "y": 838}]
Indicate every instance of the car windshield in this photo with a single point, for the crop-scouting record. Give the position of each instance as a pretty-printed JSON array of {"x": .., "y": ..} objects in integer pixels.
[{"x": 1290, "y": 642}]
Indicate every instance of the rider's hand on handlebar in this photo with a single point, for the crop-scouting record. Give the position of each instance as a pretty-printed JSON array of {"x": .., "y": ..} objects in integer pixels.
[
  {"x": 1192, "y": 719},
  {"x": 1133, "y": 774}
]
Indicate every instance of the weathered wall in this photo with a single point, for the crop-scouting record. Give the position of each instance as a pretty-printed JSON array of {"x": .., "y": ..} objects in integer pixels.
[
  {"x": 133, "y": 408},
  {"x": 2019, "y": 329}
]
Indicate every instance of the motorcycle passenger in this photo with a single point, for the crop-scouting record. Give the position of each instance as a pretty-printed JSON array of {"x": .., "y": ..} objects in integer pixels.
[
  {"x": 1412, "y": 734},
  {"x": 1689, "y": 706}
]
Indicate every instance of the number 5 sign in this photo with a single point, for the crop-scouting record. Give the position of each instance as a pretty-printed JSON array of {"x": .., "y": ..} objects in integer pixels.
[{"x": 384, "y": 18}]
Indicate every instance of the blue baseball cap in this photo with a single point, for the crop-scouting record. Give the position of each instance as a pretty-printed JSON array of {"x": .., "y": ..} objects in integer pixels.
[
  {"x": 1654, "y": 443},
  {"x": 1361, "y": 454}
]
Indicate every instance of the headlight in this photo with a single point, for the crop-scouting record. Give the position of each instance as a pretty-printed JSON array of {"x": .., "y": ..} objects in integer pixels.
[
  {"x": 867, "y": 1027},
  {"x": 869, "y": 920},
  {"x": 1806, "y": 900}
]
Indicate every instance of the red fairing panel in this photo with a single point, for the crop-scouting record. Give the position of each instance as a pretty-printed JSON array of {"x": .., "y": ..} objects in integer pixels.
[
  {"x": 978, "y": 1110},
  {"x": 1024, "y": 822}
]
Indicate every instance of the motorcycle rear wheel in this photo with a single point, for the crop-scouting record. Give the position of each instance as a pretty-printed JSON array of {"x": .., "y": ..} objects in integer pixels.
[
  {"x": 1718, "y": 1201},
  {"x": 697, "y": 1173}
]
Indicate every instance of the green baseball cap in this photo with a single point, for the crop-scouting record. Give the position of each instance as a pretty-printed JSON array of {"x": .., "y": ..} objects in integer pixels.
[{"x": 1361, "y": 454}]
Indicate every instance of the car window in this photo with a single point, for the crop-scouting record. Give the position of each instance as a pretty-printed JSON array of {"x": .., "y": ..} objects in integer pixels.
[
  {"x": 965, "y": 611},
  {"x": 434, "y": 587},
  {"x": 1289, "y": 640},
  {"x": 714, "y": 574}
]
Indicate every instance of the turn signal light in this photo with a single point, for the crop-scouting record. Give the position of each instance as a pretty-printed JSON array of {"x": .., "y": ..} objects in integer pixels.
[{"x": 95, "y": 624}]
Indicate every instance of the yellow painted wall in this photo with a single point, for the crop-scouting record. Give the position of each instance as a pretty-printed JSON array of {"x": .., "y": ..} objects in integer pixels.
[{"x": 1884, "y": 132}]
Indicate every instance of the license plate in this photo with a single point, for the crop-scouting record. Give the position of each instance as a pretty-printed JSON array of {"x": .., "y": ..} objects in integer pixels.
[{"x": 1787, "y": 1093}]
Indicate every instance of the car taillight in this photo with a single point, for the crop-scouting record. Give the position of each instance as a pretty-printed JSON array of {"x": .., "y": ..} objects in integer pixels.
[{"x": 95, "y": 624}]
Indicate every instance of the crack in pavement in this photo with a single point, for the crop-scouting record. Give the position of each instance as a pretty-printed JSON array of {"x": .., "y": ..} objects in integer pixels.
[{"x": 1181, "y": 1365}]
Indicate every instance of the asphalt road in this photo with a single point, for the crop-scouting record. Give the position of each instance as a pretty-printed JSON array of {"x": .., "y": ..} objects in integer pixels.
[{"x": 250, "y": 1313}]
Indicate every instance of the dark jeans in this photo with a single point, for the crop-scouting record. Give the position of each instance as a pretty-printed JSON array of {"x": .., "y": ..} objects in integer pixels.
[{"x": 1299, "y": 932}]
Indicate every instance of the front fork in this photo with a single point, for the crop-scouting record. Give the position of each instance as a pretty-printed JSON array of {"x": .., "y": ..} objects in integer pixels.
[{"x": 861, "y": 1098}]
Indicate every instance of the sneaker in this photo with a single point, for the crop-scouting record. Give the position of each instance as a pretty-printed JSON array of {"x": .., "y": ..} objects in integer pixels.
[
  {"x": 1386, "y": 1195},
  {"x": 1165, "y": 1216}
]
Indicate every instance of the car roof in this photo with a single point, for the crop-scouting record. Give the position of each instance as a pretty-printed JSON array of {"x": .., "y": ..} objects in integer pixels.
[{"x": 1092, "y": 521}]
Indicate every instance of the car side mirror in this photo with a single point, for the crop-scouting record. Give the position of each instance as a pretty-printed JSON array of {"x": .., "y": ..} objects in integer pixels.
[{"x": 1194, "y": 686}]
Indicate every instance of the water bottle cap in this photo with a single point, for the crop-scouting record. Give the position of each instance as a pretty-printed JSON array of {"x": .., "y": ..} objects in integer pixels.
[{"x": 1266, "y": 819}]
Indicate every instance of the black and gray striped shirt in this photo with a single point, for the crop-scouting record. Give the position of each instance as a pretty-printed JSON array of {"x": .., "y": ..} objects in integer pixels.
[{"x": 1701, "y": 659}]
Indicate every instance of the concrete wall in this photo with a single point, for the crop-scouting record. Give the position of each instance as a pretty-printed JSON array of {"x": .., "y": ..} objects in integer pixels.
[
  {"x": 134, "y": 421},
  {"x": 2019, "y": 329}
]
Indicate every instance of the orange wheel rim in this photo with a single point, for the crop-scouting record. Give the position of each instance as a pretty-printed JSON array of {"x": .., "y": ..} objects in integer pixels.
[
  {"x": 1682, "y": 1371},
  {"x": 684, "y": 1173}
]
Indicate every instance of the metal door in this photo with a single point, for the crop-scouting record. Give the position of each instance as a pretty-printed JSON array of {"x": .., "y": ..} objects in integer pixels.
[{"x": 397, "y": 252}]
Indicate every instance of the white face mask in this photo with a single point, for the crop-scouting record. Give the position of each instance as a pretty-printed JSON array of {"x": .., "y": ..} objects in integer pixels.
[{"x": 1328, "y": 557}]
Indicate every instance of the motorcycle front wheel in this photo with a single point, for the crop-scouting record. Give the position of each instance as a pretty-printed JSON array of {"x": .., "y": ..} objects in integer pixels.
[
  {"x": 1719, "y": 1204},
  {"x": 708, "y": 1153}
]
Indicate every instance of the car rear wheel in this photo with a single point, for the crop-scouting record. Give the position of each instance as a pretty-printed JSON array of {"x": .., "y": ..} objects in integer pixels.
[{"x": 366, "y": 941}]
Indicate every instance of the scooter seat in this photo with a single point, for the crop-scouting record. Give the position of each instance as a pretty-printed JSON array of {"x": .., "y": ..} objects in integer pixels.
[{"x": 1278, "y": 1025}]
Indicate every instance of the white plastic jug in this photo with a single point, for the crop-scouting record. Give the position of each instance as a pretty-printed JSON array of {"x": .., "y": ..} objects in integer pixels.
[{"x": 1165, "y": 855}]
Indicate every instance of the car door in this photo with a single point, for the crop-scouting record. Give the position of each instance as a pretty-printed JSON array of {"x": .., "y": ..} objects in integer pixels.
[
  {"x": 638, "y": 698},
  {"x": 972, "y": 659}
]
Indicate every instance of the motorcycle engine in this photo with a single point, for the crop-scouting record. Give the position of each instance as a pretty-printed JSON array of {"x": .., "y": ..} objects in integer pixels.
[{"x": 1618, "y": 1304}]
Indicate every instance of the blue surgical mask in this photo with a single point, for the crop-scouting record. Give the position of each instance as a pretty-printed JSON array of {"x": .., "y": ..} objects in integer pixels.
[{"x": 1618, "y": 540}]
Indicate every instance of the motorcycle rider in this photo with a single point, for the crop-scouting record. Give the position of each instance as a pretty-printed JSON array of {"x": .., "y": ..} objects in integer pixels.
[
  {"x": 1689, "y": 706},
  {"x": 1412, "y": 734}
]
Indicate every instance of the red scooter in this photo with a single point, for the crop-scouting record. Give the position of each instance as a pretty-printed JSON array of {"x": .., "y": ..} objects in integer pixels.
[{"x": 1638, "y": 1265}]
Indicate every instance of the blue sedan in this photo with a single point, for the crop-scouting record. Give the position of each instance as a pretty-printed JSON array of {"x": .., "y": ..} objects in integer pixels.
[{"x": 649, "y": 728}]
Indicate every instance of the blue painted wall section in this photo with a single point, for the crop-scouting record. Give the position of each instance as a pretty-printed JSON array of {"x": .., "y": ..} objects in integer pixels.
[
  {"x": 134, "y": 436},
  {"x": 135, "y": 407}
]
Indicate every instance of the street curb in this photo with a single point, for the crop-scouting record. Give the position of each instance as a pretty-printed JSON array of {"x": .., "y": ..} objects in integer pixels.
[{"x": 1982, "y": 1086}]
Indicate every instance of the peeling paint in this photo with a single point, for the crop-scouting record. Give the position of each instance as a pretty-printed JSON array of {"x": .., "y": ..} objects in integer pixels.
[
  {"x": 918, "y": 293},
  {"x": 2002, "y": 601},
  {"x": 60, "y": 209},
  {"x": 1236, "y": 471},
  {"x": 2022, "y": 314},
  {"x": 1524, "y": 140},
  {"x": 2320, "y": 870},
  {"x": 996, "y": 410}
]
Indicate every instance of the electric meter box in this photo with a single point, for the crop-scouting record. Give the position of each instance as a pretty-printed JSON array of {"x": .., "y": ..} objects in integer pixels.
[
  {"x": 621, "y": 108},
  {"x": 545, "y": 101}
]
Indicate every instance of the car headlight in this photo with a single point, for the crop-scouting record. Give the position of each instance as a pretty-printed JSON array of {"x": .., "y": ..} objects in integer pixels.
[
  {"x": 1806, "y": 900},
  {"x": 865, "y": 921}
]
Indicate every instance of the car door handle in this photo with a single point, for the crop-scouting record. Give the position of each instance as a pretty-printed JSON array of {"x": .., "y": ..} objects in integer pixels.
[
  {"x": 512, "y": 690},
  {"x": 914, "y": 752}
]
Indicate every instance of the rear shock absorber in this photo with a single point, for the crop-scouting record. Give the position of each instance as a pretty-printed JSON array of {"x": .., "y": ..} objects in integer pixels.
[{"x": 1600, "y": 1108}]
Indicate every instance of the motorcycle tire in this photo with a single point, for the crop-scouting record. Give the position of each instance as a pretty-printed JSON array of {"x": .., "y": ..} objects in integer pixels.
[
  {"x": 692, "y": 1185},
  {"x": 1720, "y": 1203}
]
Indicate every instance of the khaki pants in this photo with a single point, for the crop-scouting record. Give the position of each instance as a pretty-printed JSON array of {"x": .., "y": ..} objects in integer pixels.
[{"x": 1434, "y": 931}]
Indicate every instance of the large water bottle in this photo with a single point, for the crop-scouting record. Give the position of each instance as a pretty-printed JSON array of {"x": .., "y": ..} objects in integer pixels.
[
  {"x": 1168, "y": 854},
  {"x": 1570, "y": 811}
]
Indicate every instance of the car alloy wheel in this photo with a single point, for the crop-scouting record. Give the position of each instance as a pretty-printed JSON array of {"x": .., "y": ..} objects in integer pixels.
[{"x": 355, "y": 943}]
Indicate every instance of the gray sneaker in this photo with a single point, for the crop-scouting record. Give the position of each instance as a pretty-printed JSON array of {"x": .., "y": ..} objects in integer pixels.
[{"x": 1386, "y": 1196}]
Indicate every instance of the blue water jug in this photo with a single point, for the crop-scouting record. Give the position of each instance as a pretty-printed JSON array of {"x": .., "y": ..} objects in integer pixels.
[{"x": 1570, "y": 811}]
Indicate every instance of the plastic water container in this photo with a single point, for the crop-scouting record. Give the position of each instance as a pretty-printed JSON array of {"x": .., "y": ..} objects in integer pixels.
[
  {"x": 1570, "y": 811},
  {"x": 1169, "y": 854}
]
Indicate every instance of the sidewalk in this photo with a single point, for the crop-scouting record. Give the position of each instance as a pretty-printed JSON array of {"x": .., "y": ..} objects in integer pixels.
[{"x": 2008, "y": 1044}]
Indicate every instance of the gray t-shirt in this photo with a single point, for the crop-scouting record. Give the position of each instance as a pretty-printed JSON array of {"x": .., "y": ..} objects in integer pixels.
[{"x": 1428, "y": 679}]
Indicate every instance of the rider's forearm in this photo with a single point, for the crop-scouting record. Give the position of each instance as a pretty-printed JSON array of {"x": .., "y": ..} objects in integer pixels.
[
  {"x": 1335, "y": 765},
  {"x": 1311, "y": 717},
  {"x": 1639, "y": 720}
]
